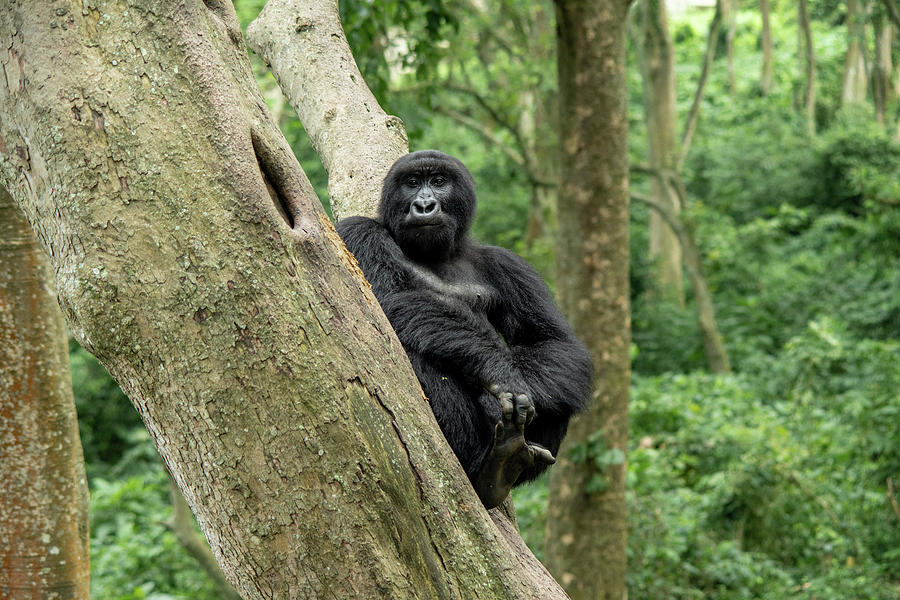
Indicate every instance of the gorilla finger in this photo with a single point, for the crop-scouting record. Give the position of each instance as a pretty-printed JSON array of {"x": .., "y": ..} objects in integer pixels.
[
  {"x": 542, "y": 455},
  {"x": 524, "y": 409},
  {"x": 507, "y": 406},
  {"x": 531, "y": 413}
]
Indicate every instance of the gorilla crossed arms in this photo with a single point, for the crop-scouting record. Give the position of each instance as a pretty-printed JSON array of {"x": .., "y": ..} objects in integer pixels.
[{"x": 500, "y": 366}]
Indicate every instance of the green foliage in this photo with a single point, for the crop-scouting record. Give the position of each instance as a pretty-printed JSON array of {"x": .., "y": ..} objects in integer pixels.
[
  {"x": 109, "y": 427},
  {"x": 133, "y": 556},
  {"x": 406, "y": 29},
  {"x": 595, "y": 451}
]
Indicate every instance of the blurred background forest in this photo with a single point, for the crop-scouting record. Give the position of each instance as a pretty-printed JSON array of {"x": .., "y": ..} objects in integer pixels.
[{"x": 767, "y": 468}]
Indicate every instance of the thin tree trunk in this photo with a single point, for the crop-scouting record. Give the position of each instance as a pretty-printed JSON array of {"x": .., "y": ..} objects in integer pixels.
[
  {"x": 690, "y": 126},
  {"x": 809, "y": 101},
  {"x": 658, "y": 76},
  {"x": 586, "y": 541},
  {"x": 43, "y": 495},
  {"x": 893, "y": 12},
  {"x": 855, "y": 81},
  {"x": 713, "y": 344},
  {"x": 768, "y": 64},
  {"x": 356, "y": 140},
  {"x": 881, "y": 71},
  {"x": 731, "y": 7},
  {"x": 193, "y": 259}
]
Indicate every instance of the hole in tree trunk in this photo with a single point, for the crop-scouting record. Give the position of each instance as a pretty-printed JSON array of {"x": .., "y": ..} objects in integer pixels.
[{"x": 269, "y": 169}]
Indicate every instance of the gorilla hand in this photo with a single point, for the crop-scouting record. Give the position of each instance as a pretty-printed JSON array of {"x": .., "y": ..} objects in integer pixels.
[
  {"x": 509, "y": 454},
  {"x": 513, "y": 394}
]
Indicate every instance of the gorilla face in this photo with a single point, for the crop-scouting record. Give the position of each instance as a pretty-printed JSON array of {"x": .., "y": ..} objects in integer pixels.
[{"x": 427, "y": 205}]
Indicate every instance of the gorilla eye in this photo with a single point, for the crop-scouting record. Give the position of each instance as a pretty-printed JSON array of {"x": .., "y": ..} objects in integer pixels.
[
  {"x": 438, "y": 181},
  {"x": 412, "y": 181}
]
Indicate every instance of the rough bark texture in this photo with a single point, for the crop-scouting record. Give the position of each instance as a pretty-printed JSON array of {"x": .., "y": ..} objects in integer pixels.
[
  {"x": 587, "y": 530},
  {"x": 657, "y": 61},
  {"x": 356, "y": 140},
  {"x": 182, "y": 525},
  {"x": 809, "y": 102},
  {"x": 194, "y": 261},
  {"x": 768, "y": 64},
  {"x": 855, "y": 82},
  {"x": 43, "y": 494}
]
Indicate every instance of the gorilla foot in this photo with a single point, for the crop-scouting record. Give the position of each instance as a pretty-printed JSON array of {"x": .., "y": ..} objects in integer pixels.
[{"x": 510, "y": 454}]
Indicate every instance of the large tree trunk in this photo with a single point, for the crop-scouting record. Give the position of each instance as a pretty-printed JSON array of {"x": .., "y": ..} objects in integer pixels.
[
  {"x": 809, "y": 98},
  {"x": 658, "y": 75},
  {"x": 855, "y": 82},
  {"x": 194, "y": 261},
  {"x": 44, "y": 497},
  {"x": 586, "y": 539},
  {"x": 768, "y": 63}
]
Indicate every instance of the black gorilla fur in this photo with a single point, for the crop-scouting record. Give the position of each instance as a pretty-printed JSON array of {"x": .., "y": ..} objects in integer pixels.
[{"x": 493, "y": 354}]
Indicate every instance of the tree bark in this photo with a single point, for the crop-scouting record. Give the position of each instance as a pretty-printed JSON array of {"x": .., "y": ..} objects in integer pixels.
[
  {"x": 182, "y": 526},
  {"x": 855, "y": 81},
  {"x": 44, "y": 499},
  {"x": 881, "y": 71},
  {"x": 660, "y": 113},
  {"x": 809, "y": 101},
  {"x": 356, "y": 140},
  {"x": 193, "y": 259},
  {"x": 768, "y": 64},
  {"x": 586, "y": 541}
]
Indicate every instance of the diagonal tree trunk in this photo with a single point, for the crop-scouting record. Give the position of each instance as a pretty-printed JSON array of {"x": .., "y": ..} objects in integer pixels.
[
  {"x": 43, "y": 495},
  {"x": 690, "y": 125},
  {"x": 193, "y": 259},
  {"x": 586, "y": 539}
]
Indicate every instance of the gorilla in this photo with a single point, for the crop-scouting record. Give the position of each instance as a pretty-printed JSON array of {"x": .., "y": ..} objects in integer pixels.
[{"x": 500, "y": 366}]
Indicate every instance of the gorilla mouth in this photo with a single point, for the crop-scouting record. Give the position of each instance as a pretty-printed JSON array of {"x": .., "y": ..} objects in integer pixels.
[{"x": 435, "y": 221}]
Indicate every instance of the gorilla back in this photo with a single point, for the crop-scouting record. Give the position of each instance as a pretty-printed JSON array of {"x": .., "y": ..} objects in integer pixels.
[{"x": 500, "y": 366}]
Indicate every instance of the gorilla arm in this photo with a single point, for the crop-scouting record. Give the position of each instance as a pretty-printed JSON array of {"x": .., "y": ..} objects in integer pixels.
[
  {"x": 555, "y": 365},
  {"x": 429, "y": 323}
]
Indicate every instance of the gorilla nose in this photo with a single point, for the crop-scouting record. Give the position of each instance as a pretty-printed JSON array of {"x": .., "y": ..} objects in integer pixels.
[{"x": 424, "y": 207}]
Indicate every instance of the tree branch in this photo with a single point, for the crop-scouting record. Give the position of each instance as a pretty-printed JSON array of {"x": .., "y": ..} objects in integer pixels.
[
  {"x": 490, "y": 110},
  {"x": 304, "y": 44},
  {"x": 892, "y": 498},
  {"x": 714, "y": 346},
  {"x": 690, "y": 125},
  {"x": 893, "y": 11},
  {"x": 489, "y": 136}
]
